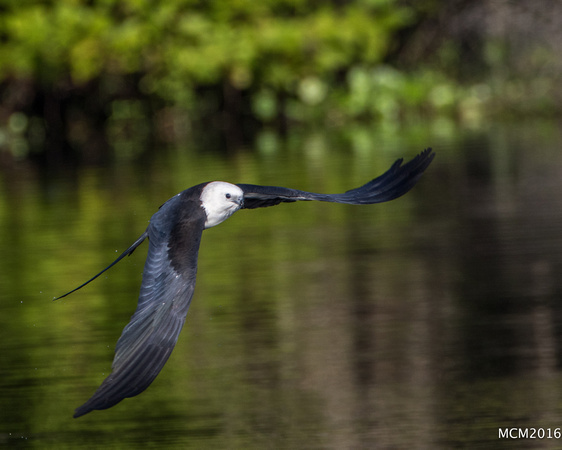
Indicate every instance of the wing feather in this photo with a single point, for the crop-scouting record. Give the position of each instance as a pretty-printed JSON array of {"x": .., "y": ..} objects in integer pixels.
[
  {"x": 166, "y": 292},
  {"x": 392, "y": 184}
]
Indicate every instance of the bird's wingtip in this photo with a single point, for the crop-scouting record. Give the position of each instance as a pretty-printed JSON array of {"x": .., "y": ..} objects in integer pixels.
[
  {"x": 428, "y": 152},
  {"x": 82, "y": 410}
]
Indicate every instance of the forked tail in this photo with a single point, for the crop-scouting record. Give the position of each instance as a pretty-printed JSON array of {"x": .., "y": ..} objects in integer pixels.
[{"x": 127, "y": 252}]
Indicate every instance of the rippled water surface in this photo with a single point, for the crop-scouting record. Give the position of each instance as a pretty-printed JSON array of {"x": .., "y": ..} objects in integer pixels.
[{"x": 428, "y": 322}]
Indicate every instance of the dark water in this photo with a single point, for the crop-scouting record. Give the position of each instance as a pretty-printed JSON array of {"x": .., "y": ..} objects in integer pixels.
[{"x": 427, "y": 322}]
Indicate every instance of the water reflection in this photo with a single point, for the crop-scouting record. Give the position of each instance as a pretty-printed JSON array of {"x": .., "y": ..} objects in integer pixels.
[{"x": 426, "y": 322}]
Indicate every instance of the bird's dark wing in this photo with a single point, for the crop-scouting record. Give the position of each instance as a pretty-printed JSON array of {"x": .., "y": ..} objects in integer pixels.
[
  {"x": 167, "y": 288},
  {"x": 395, "y": 182}
]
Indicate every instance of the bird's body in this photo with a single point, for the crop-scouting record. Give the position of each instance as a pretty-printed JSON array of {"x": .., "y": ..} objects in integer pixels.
[{"x": 168, "y": 281}]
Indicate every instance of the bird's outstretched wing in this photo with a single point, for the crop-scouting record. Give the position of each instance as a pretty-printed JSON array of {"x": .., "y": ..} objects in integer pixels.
[
  {"x": 167, "y": 288},
  {"x": 395, "y": 182}
]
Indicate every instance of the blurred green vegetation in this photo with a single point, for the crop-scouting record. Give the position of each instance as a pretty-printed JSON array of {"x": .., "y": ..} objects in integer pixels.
[{"x": 90, "y": 78}]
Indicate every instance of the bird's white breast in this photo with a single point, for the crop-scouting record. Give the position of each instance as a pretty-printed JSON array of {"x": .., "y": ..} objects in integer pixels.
[{"x": 220, "y": 200}]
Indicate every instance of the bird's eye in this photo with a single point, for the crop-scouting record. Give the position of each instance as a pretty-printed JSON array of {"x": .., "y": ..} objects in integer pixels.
[{"x": 228, "y": 196}]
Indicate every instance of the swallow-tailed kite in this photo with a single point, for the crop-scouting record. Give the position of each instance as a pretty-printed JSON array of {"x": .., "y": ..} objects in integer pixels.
[{"x": 168, "y": 279}]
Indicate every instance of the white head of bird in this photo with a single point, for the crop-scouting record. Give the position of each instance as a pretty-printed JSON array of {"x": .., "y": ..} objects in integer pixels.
[{"x": 220, "y": 200}]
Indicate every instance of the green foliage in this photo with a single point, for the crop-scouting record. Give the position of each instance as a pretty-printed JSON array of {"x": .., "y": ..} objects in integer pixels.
[
  {"x": 136, "y": 69},
  {"x": 181, "y": 44}
]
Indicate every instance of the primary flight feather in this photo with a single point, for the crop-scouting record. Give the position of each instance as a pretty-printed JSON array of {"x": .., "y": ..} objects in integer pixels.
[{"x": 168, "y": 278}]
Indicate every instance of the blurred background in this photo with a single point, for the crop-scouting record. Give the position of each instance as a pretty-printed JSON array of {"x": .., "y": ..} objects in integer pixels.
[
  {"x": 428, "y": 322},
  {"x": 102, "y": 80}
]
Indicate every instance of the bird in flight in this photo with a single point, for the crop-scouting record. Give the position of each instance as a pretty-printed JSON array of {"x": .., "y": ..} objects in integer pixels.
[{"x": 168, "y": 279}]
